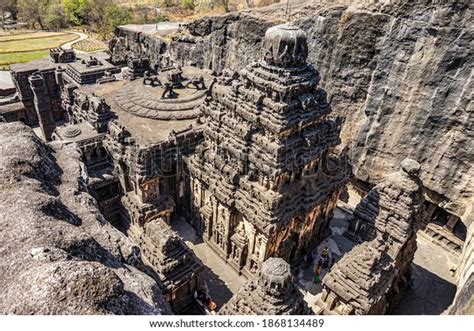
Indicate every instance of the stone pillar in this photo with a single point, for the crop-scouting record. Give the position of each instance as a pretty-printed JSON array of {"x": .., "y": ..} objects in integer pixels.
[
  {"x": 42, "y": 106},
  {"x": 264, "y": 249},
  {"x": 192, "y": 198},
  {"x": 451, "y": 223},
  {"x": 60, "y": 78},
  {"x": 31, "y": 118},
  {"x": 430, "y": 211},
  {"x": 226, "y": 239},
  {"x": 252, "y": 237}
]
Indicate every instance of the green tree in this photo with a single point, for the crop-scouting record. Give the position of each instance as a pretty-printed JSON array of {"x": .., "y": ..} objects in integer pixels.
[
  {"x": 77, "y": 10},
  {"x": 188, "y": 4},
  {"x": 34, "y": 11},
  {"x": 56, "y": 17},
  {"x": 9, "y": 6},
  {"x": 105, "y": 15}
]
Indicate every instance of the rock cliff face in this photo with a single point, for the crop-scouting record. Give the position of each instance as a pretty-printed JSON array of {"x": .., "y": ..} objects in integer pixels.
[
  {"x": 229, "y": 41},
  {"x": 59, "y": 255},
  {"x": 130, "y": 41},
  {"x": 398, "y": 73}
]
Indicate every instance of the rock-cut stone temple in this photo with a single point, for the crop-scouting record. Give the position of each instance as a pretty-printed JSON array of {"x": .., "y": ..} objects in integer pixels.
[{"x": 265, "y": 180}]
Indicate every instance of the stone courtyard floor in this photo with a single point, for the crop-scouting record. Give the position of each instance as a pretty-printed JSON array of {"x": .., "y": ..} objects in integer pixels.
[
  {"x": 433, "y": 285},
  {"x": 337, "y": 244},
  {"x": 221, "y": 279},
  {"x": 432, "y": 288}
]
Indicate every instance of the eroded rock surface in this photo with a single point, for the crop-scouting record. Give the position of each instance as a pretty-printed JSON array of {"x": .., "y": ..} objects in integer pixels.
[{"x": 59, "y": 256}]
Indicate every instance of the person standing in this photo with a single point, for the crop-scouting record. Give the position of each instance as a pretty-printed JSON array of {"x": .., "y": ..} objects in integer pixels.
[
  {"x": 317, "y": 274},
  {"x": 325, "y": 252},
  {"x": 325, "y": 258}
]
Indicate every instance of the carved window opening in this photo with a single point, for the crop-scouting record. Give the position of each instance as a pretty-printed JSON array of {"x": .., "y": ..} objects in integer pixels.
[{"x": 442, "y": 218}]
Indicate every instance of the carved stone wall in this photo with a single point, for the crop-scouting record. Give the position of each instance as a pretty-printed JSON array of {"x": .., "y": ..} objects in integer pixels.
[
  {"x": 84, "y": 107},
  {"x": 371, "y": 278},
  {"x": 52, "y": 89},
  {"x": 265, "y": 175},
  {"x": 463, "y": 301},
  {"x": 175, "y": 264}
]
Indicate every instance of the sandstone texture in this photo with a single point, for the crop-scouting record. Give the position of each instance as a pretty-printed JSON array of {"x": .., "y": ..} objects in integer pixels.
[{"x": 59, "y": 255}]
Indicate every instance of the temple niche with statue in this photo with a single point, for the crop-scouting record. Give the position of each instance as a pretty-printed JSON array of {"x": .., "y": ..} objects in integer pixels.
[{"x": 265, "y": 181}]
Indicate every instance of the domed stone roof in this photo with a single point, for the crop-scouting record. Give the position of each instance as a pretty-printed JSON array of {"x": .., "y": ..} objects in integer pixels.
[
  {"x": 285, "y": 45},
  {"x": 275, "y": 276}
]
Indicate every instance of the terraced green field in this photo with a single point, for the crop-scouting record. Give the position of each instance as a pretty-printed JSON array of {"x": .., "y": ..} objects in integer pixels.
[
  {"x": 25, "y": 47},
  {"x": 7, "y": 36}
]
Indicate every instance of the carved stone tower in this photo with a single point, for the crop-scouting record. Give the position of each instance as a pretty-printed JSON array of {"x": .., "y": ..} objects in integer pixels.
[
  {"x": 174, "y": 263},
  {"x": 265, "y": 180},
  {"x": 372, "y": 277},
  {"x": 272, "y": 293},
  {"x": 43, "y": 107}
]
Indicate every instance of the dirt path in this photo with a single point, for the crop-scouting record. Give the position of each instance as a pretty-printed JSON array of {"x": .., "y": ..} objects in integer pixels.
[{"x": 69, "y": 44}]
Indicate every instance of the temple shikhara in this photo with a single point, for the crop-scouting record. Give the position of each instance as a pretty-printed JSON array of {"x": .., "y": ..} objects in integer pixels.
[
  {"x": 264, "y": 182},
  {"x": 372, "y": 277},
  {"x": 272, "y": 292},
  {"x": 227, "y": 187}
]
